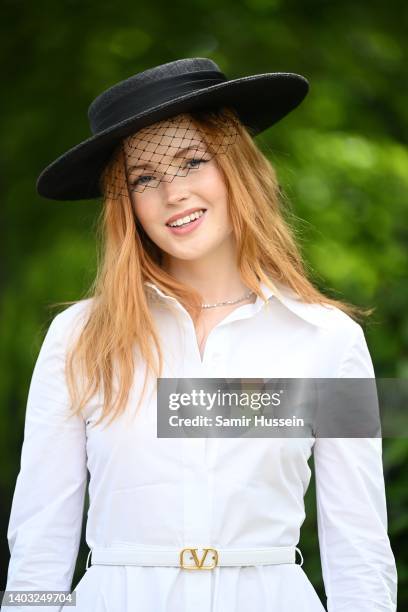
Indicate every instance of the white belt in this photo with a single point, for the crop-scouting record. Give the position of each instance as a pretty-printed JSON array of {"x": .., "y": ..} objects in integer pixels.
[{"x": 193, "y": 558}]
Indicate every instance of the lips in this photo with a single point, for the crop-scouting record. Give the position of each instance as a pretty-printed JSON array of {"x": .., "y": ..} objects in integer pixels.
[
  {"x": 187, "y": 228},
  {"x": 185, "y": 213}
]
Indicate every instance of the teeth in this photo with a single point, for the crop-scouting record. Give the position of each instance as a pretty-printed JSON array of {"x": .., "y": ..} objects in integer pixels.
[{"x": 187, "y": 219}]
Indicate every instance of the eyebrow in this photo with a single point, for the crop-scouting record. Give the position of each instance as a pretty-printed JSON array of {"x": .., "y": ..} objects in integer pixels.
[{"x": 200, "y": 147}]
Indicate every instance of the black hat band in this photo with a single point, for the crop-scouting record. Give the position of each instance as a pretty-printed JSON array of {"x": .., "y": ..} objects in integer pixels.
[{"x": 153, "y": 93}]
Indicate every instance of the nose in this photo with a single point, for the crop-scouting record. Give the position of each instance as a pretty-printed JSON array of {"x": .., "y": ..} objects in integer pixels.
[{"x": 175, "y": 189}]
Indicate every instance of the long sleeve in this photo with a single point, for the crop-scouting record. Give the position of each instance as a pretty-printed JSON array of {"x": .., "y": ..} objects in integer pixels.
[
  {"x": 47, "y": 508},
  {"x": 358, "y": 565}
]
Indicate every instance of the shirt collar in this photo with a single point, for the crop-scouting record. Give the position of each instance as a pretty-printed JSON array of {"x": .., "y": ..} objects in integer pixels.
[{"x": 315, "y": 314}]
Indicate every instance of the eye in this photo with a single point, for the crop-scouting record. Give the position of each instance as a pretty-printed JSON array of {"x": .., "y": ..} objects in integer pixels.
[
  {"x": 145, "y": 178},
  {"x": 140, "y": 180},
  {"x": 196, "y": 162}
]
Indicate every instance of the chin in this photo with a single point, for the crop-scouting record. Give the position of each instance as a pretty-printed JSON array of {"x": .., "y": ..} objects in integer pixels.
[
  {"x": 196, "y": 255},
  {"x": 186, "y": 257}
]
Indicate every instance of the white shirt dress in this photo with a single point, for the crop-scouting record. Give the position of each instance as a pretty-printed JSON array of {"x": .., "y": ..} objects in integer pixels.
[{"x": 232, "y": 493}]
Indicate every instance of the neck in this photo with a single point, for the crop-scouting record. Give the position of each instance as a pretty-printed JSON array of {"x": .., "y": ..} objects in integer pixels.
[{"x": 216, "y": 276}]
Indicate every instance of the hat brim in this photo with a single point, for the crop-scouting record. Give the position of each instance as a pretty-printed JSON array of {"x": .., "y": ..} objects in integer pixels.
[{"x": 260, "y": 101}]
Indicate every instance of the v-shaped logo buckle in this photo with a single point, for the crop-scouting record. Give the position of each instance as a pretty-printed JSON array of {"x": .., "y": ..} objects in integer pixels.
[{"x": 198, "y": 563}]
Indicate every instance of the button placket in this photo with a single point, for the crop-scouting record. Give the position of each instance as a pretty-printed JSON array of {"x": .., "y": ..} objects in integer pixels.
[
  {"x": 198, "y": 492},
  {"x": 197, "y": 513},
  {"x": 199, "y": 462}
]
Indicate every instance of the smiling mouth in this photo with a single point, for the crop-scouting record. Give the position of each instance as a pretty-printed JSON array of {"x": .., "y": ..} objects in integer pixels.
[{"x": 178, "y": 222}]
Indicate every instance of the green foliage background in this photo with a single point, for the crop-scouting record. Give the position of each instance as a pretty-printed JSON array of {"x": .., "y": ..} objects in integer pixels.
[{"x": 341, "y": 158}]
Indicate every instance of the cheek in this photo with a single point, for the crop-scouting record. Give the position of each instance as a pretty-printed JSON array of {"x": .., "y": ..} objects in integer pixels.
[{"x": 144, "y": 211}]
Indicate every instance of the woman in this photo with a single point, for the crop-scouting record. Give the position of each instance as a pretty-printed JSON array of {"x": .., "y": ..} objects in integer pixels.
[{"x": 201, "y": 278}]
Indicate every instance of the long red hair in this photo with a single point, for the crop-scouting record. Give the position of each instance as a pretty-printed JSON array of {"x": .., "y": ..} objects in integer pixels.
[{"x": 119, "y": 316}]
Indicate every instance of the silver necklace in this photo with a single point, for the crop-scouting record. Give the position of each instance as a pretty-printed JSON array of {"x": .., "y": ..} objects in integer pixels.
[{"x": 244, "y": 297}]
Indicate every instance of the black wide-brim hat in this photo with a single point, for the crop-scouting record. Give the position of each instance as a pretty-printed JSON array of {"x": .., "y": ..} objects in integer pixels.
[{"x": 158, "y": 93}]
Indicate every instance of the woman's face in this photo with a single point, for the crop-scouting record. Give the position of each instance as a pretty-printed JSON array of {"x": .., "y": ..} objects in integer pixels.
[{"x": 202, "y": 187}]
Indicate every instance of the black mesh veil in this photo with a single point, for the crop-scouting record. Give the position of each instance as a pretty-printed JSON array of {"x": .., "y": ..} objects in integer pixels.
[{"x": 166, "y": 149}]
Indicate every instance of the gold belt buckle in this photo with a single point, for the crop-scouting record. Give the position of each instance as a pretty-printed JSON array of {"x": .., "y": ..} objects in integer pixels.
[{"x": 198, "y": 563}]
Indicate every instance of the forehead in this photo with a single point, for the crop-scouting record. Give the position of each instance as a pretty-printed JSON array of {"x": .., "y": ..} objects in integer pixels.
[{"x": 164, "y": 137}]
